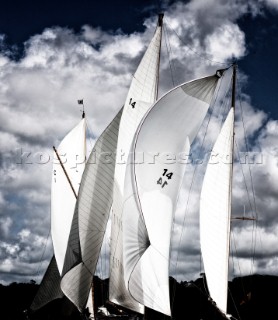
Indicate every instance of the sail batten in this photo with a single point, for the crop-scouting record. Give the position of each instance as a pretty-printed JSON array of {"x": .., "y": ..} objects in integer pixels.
[{"x": 215, "y": 213}]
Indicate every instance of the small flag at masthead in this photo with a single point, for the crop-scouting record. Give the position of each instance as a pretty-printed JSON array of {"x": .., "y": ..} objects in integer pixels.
[{"x": 81, "y": 102}]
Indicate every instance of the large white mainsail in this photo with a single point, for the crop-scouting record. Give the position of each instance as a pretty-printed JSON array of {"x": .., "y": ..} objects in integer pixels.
[
  {"x": 215, "y": 213},
  {"x": 72, "y": 151},
  {"x": 152, "y": 186},
  {"x": 142, "y": 94}
]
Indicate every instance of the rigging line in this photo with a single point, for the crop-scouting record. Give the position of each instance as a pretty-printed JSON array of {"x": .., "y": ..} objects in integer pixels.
[
  {"x": 234, "y": 251},
  {"x": 234, "y": 303},
  {"x": 194, "y": 51},
  {"x": 249, "y": 200},
  {"x": 254, "y": 222},
  {"x": 43, "y": 252},
  {"x": 232, "y": 256},
  {"x": 251, "y": 177},
  {"x": 238, "y": 264},
  {"x": 253, "y": 244},
  {"x": 169, "y": 52},
  {"x": 247, "y": 148},
  {"x": 244, "y": 177},
  {"x": 233, "y": 263}
]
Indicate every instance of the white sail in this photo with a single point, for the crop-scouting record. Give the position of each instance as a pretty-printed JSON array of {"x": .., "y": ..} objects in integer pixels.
[
  {"x": 152, "y": 188},
  {"x": 215, "y": 211},
  {"x": 142, "y": 93},
  {"x": 72, "y": 153},
  {"x": 90, "y": 217}
]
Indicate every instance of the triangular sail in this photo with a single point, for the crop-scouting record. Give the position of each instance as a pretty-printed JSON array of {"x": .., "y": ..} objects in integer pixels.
[
  {"x": 72, "y": 154},
  {"x": 142, "y": 93},
  {"x": 152, "y": 187},
  {"x": 90, "y": 217},
  {"x": 215, "y": 211}
]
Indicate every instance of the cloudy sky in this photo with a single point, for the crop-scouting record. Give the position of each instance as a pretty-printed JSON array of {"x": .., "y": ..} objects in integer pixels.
[{"x": 52, "y": 54}]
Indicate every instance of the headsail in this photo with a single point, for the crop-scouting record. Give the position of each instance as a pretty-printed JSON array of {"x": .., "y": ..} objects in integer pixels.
[
  {"x": 142, "y": 94},
  {"x": 72, "y": 153},
  {"x": 152, "y": 187},
  {"x": 90, "y": 217},
  {"x": 215, "y": 212}
]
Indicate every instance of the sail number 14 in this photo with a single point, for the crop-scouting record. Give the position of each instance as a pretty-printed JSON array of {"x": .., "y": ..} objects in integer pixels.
[
  {"x": 162, "y": 181},
  {"x": 132, "y": 103}
]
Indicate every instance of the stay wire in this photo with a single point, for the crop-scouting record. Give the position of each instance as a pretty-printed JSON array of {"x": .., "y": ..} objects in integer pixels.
[
  {"x": 251, "y": 207},
  {"x": 169, "y": 52},
  {"x": 234, "y": 303},
  {"x": 235, "y": 253},
  {"x": 255, "y": 225},
  {"x": 43, "y": 253},
  {"x": 249, "y": 199},
  {"x": 194, "y": 51},
  {"x": 247, "y": 149},
  {"x": 244, "y": 177}
]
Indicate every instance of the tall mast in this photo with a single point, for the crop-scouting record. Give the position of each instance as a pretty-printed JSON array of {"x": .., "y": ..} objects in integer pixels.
[
  {"x": 234, "y": 86},
  {"x": 233, "y": 103},
  {"x": 83, "y": 117},
  {"x": 159, "y": 25}
]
